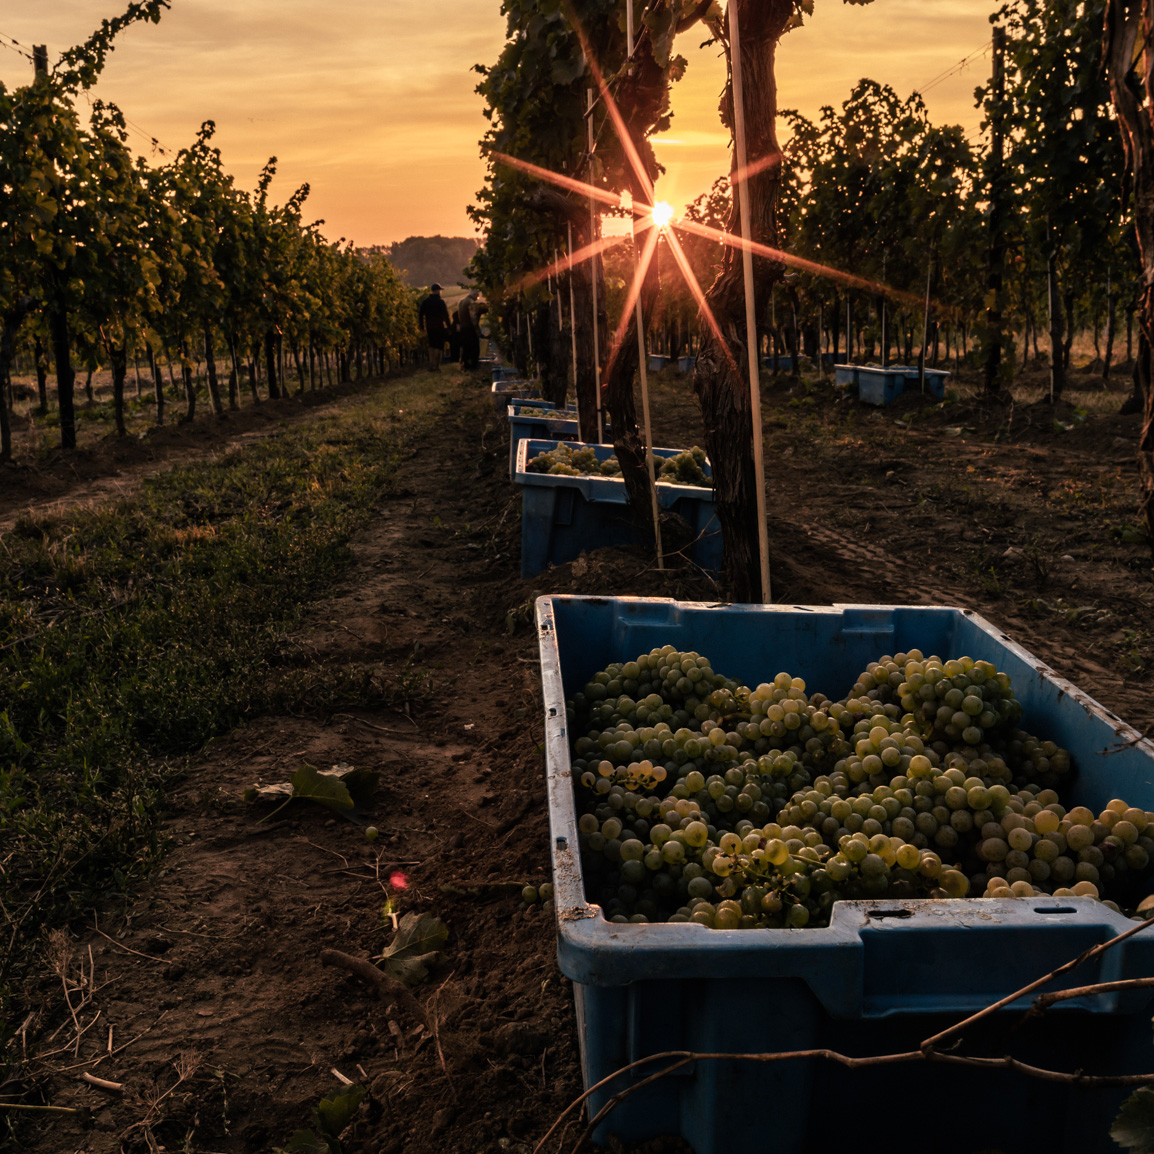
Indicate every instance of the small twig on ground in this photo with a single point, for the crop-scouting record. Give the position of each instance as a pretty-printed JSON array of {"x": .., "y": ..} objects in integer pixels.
[
  {"x": 102, "y": 1083},
  {"x": 478, "y": 820},
  {"x": 185, "y": 1068},
  {"x": 74, "y": 1045},
  {"x": 325, "y": 849},
  {"x": 370, "y": 724},
  {"x": 129, "y": 949},
  {"x": 434, "y": 1029},
  {"x": 43, "y": 1109},
  {"x": 389, "y": 988}
]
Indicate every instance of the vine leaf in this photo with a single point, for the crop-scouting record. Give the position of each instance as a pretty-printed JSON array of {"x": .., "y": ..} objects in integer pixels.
[
  {"x": 331, "y": 1116},
  {"x": 415, "y": 946},
  {"x": 335, "y": 1113},
  {"x": 343, "y": 789},
  {"x": 1134, "y": 1126},
  {"x": 306, "y": 1142}
]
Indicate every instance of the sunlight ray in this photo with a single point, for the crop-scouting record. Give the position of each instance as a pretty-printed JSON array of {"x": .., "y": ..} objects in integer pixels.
[
  {"x": 562, "y": 264},
  {"x": 624, "y": 136},
  {"x": 798, "y": 262},
  {"x": 699, "y": 296},
  {"x": 756, "y": 166},
  {"x": 604, "y": 195},
  {"x": 631, "y": 298}
]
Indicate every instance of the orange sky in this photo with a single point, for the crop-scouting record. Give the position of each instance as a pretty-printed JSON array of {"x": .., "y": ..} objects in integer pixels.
[{"x": 372, "y": 102}]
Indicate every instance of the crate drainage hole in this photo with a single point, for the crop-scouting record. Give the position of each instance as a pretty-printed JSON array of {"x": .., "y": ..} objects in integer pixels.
[{"x": 889, "y": 913}]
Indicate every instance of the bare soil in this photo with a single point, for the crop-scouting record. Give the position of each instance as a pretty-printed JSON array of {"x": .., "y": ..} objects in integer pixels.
[{"x": 205, "y": 996}]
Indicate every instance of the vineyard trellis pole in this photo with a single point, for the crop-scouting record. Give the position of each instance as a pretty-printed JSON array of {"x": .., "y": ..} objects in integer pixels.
[
  {"x": 593, "y": 268},
  {"x": 742, "y": 178}
]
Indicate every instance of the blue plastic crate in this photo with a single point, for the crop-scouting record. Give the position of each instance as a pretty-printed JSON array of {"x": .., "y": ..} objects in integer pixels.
[
  {"x": 563, "y": 516},
  {"x": 885, "y": 974},
  {"x": 878, "y": 386},
  {"x": 935, "y": 379},
  {"x": 685, "y": 364},
  {"x": 657, "y": 362},
  {"x": 504, "y": 373},
  {"x": 845, "y": 375},
  {"x": 525, "y": 421},
  {"x": 784, "y": 362},
  {"x": 512, "y": 390}
]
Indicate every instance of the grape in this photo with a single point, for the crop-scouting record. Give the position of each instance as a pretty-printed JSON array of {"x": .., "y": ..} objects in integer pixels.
[{"x": 1079, "y": 837}]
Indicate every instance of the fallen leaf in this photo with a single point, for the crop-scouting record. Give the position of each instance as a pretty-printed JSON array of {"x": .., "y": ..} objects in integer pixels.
[{"x": 415, "y": 946}]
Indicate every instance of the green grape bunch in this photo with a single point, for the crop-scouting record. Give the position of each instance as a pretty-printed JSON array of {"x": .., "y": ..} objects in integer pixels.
[
  {"x": 564, "y": 460},
  {"x": 707, "y": 801},
  {"x": 685, "y": 468}
]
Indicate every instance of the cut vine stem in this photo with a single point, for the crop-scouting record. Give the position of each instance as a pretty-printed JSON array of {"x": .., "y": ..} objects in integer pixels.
[{"x": 926, "y": 1052}]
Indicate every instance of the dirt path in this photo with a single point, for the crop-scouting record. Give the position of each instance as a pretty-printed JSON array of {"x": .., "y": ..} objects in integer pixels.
[{"x": 216, "y": 1014}]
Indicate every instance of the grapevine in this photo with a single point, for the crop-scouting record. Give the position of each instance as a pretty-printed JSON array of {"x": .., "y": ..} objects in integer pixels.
[{"x": 707, "y": 801}]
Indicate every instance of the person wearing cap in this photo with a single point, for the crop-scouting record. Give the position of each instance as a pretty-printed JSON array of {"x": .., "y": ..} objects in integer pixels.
[
  {"x": 433, "y": 319},
  {"x": 469, "y": 313}
]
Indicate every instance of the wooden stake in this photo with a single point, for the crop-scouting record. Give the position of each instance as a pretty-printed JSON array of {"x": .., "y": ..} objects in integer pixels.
[
  {"x": 747, "y": 268},
  {"x": 642, "y": 369},
  {"x": 573, "y": 322},
  {"x": 593, "y": 267},
  {"x": 926, "y": 323}
]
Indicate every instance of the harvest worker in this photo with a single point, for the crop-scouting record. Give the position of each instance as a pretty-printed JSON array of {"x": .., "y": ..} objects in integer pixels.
[
  {"x": 470, "y": 311},
  {"x": 433, "y": 318}
]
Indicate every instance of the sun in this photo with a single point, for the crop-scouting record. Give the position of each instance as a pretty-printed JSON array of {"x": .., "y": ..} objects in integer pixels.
[{"x": 662, "y": 213}]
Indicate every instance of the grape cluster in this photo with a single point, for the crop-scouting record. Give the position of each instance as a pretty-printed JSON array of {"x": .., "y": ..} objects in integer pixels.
[
  {"x": 704, "y": 800},
  {"x": 684, "y": 468},
  {"x": 551, "y": 414},
  {"x": 567, "y": 461}
]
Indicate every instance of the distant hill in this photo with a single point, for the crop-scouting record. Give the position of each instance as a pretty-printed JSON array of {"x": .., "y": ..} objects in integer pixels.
[{"x": 425, "y": 259}]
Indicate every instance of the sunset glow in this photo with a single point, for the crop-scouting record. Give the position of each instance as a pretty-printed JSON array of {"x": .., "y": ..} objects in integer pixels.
[
  {"x": 662, "y": 213},
  {"x": 374, "y": 105}
]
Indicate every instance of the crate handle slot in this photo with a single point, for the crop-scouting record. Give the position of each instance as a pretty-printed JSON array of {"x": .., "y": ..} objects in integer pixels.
[{"x": 889, "y": 913}]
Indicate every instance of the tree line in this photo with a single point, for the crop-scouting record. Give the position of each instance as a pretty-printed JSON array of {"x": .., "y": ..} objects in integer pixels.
[{"x": 106, "y": 258}]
